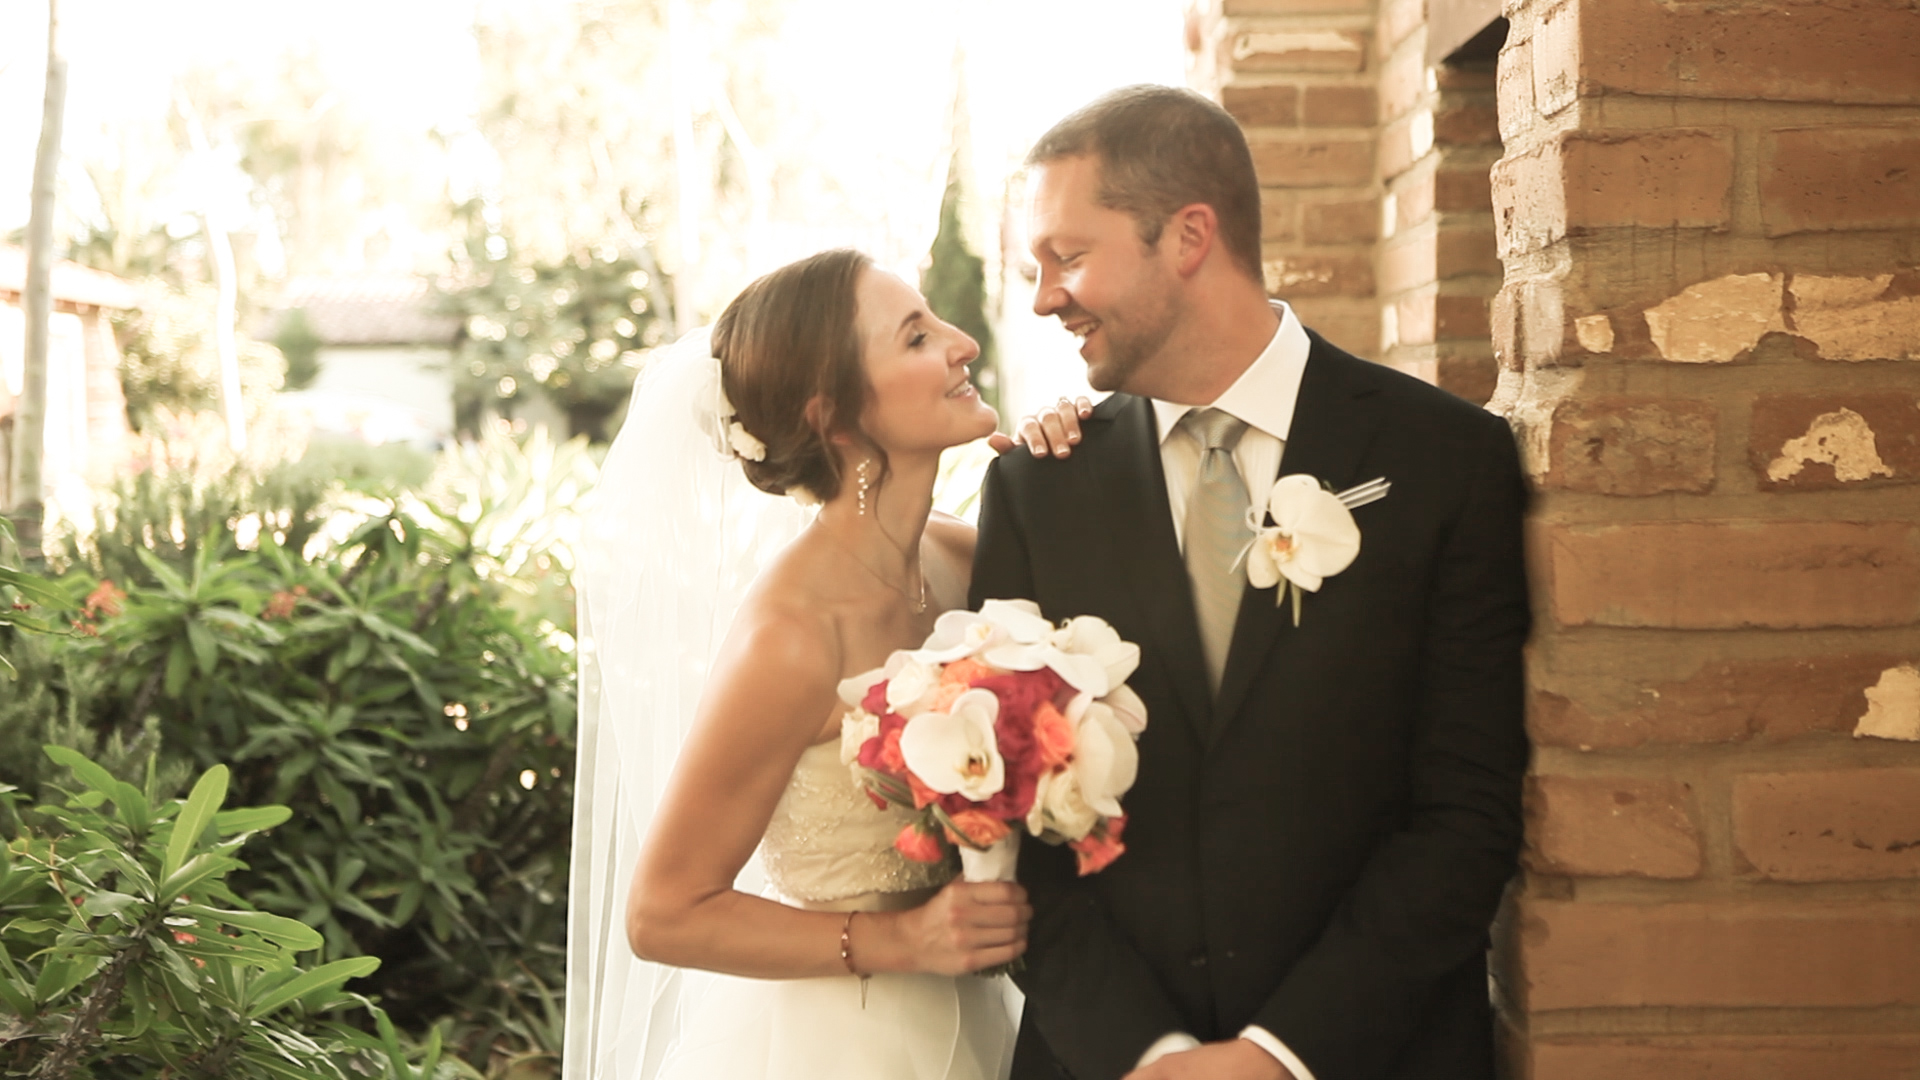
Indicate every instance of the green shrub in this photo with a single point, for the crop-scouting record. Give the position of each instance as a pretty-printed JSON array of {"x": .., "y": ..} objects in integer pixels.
[{"x": 396, "y": 670}]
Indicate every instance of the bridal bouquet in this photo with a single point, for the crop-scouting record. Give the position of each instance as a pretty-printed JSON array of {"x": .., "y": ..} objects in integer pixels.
[{"x": 1000, "y": 722}]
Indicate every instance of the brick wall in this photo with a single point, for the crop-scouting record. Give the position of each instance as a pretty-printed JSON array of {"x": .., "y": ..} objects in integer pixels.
[
  {"x": 1702, "y": 221},
  {"x": 1709, "y": 340}
]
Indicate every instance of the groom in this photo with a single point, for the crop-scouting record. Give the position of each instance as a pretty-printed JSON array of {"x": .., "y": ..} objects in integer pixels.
[{"x": 1327, "y": 811}]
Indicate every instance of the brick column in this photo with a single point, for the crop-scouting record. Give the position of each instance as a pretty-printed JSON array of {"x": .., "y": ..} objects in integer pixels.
[
  {"x": 1299, "y": 77},
  {"x": 1709, "y": 340}
]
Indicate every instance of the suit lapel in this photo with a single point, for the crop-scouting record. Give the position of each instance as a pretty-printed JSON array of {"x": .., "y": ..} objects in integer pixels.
[
  {"x": 1331, "y": 431},
  {"x": 1131, "y": 495}
]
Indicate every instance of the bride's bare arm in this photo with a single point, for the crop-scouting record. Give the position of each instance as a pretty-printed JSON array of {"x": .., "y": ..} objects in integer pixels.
[{"x": 771, "y": 688}]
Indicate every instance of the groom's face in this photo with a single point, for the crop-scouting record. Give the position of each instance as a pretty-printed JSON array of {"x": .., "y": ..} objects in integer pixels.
[{"x": 1113, "y": 292}]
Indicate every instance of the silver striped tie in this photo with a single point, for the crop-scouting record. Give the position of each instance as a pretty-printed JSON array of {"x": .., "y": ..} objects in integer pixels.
[{"x": 1216, "y": 531}]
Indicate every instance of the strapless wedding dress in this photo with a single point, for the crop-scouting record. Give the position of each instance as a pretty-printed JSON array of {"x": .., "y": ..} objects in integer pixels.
[{"x": 828, "y": 848}]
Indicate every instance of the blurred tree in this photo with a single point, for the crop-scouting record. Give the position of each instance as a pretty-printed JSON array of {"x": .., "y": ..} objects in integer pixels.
[
  {"x": 572, "y": 328},
  {"x": 955, "y": 285},
  {"x": 300, "y": 345}
]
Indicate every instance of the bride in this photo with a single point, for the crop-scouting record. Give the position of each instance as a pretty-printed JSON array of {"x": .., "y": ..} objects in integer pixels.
[{"x": 833, "y": 384}]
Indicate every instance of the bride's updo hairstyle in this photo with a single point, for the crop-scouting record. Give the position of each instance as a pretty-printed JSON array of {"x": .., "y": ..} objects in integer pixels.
[{"x": 787, "y": 339}]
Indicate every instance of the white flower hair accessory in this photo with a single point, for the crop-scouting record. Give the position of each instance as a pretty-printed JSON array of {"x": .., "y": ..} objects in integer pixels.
[{"x": 718, "y": 418}]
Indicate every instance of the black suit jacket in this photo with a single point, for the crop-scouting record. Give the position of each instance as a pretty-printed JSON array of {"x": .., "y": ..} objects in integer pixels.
[{"x": 1321, "y": 849}]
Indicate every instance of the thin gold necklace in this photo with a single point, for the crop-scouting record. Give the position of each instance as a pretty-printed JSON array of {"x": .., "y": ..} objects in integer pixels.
[{"x": 917, "y": 604}]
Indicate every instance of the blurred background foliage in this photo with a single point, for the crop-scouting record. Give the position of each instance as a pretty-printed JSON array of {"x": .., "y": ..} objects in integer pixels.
[{"x": 392, "y": 661}]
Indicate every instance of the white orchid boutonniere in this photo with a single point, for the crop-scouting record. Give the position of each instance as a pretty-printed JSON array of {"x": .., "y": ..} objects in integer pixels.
[{"x": 1312, "y": 538}]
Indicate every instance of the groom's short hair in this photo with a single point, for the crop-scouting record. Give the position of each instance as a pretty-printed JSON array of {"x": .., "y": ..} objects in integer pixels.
[{"x": 1161, "y": 148}]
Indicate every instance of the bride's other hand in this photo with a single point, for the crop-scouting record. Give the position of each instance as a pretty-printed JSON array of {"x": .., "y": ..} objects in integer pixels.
[
  {"x": 1054, "y": 430},
  {"x": 966, "y": 927}
]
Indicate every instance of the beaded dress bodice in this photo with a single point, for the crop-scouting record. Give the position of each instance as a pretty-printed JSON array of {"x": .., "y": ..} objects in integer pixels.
[{"x": 827, "y": 841}]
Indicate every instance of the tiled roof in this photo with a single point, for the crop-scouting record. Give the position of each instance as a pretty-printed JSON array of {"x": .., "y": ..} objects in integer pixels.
[
  {"x": 71, "y": 282},
  {"x": 369, "y": 310}
]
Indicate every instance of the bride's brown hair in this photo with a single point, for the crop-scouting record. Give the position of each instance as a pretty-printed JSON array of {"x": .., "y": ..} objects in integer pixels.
[{"x": 789, "y": 339}]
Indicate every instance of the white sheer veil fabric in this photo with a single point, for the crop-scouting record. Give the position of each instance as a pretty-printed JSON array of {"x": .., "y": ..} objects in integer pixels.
[{"x": 673, "y": 537}]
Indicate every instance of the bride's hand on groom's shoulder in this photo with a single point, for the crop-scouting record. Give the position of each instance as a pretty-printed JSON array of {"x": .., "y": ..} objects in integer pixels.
[
  {"x": 966, "y": 927},
  {"x": 1054, "y": 430},
  {"x": 1231, "y": 1059}
]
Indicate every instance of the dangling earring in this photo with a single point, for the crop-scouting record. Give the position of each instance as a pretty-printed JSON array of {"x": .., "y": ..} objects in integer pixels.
[{"x": 863, "y": 482}]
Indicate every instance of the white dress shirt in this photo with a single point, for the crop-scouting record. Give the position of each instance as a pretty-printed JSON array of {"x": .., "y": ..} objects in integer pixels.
[{"x": 1263, "y": 396}]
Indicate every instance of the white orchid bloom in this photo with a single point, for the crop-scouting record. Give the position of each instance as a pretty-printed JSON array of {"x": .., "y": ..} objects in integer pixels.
[
  {"x": 1105, "y": 760},
  {"x": 856, "y": 727},
  {"x": 853, "y": 689},
  {"x": 1127, "y": 708},
  {"x": 1313, "y": 536},
  {"x": 958, "y": 634},
  {"x": 1021, "y": 619},
  {"x": 910, "y": 683},
  {"x": 1092, "y": 636},
  {"x": 957, "y": 750}
]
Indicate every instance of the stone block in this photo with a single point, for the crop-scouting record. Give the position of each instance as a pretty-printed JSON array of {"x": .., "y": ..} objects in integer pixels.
[
  {"x": 1833, "y": 440},
  {"x": 1837, "y": 825},
  {"x": 1300, "y": 50},
  {"x": 1555, "y": 48},
  {"x": 1733, "y": 953},
  {"x": 1611, "y": 826},
  {"x": 1820, "y": 179},
  {"x": 1626, "y": 445},
  {"x": 1786, "y": 575}
]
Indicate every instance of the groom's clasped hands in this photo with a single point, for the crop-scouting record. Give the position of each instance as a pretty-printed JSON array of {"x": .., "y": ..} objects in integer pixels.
[{"x": 1231, "y": 1059}]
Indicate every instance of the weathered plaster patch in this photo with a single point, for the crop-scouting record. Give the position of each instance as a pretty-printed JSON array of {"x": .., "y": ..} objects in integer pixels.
[
  {"x": 1715, "y": 321},
  {"x": 1841, "y": 439},
  {"x": 1280, "y": 43},
  {"x": 1893, "y": 706},
  {"x": 1851, "y": 318},
  {"x": 1595, "y": 333}
]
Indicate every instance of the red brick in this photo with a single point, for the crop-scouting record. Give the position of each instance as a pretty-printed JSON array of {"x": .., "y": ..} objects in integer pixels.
[
  {"x": 1407, "y": 262},
  {"x": 1466, "y": 125},
  {"x": 1842, "y": 825},
  {"x": 1813, "y": 441},
  {"x": 1354, "y": 325},
  {"x": 1403, "y": 142},
  {"x": 1278, "y": 211},
  {"x": 1319, "y": 274},
  {"x": 1657, "y": 180},
  {"x": 1462, "y": 189},
  {"x": 1403, "y": 81},
  {"x": 1349, "y": 221},
  {"x": 1555, "y": 49},
  {"x": 1309, "y": 163},
  {"x": 1702, "y": 576},
  {"x": 1466, "y": 251},
  {"x": 1733, "y": 953},
  {"x": 1413, "y": 318},
  {"x": 1262, "y": 106},
  {"x": 1469, "y": 377},
  {"x": 1611, "y": 826},
  {"x": 1461, "y": 317},
  {"x": 1724, "y": 1057},
  {"x": 1860, "y": 51},
  {"x": 1614, "y": 702},
  {"x": 1315, "y": 50},
  {"x": 1814, "y": 179},
  {"x": 1413, "y": 199},
  {"x": 1513, "y": 85},
  {"x": 1631, "y": 445},
  {"x": 1338, "y": 106}
]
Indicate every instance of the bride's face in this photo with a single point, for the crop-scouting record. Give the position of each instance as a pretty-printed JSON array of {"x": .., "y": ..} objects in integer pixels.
[{"x": 917, "y": 366}]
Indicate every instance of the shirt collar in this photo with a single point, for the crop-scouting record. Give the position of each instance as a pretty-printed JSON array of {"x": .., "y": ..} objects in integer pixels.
[{"x": 1264, "y": 394}]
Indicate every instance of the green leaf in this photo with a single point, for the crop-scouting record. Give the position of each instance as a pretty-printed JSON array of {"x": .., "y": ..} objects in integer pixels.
[
  {"x": 169, "y": 580},
  {"x": 34, "y": 587},
  {"x": 326, "y": 976},
  {"x": 194, "y": 871},
  {"x": 108, "y": 903},
  {"x": 289, "y": 933},
  {"x": 206, "y": 651},
  {"x": 250, "y": 819},
  {"x": 202, "y": 803},
  {"x": 179, "y": 666}
]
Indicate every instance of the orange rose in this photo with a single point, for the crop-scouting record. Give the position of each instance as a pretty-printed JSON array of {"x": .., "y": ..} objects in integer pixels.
[
  {"x": 919, "y": 846},
  {"x": 890, "y": 758},
  {"x": 946, "y": 695},
  {"x": 981, "y": 829},
  {"x": 1100, "y": 847},
  {"x": 966, "y": 671},
  {"x": 1053, "y": 734}
]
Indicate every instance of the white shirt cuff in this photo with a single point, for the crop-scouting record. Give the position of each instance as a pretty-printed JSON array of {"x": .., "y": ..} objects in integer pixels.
[
  {"x": 1265, "y": 1040},
  {"x": 1173, "y": 1042}
]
